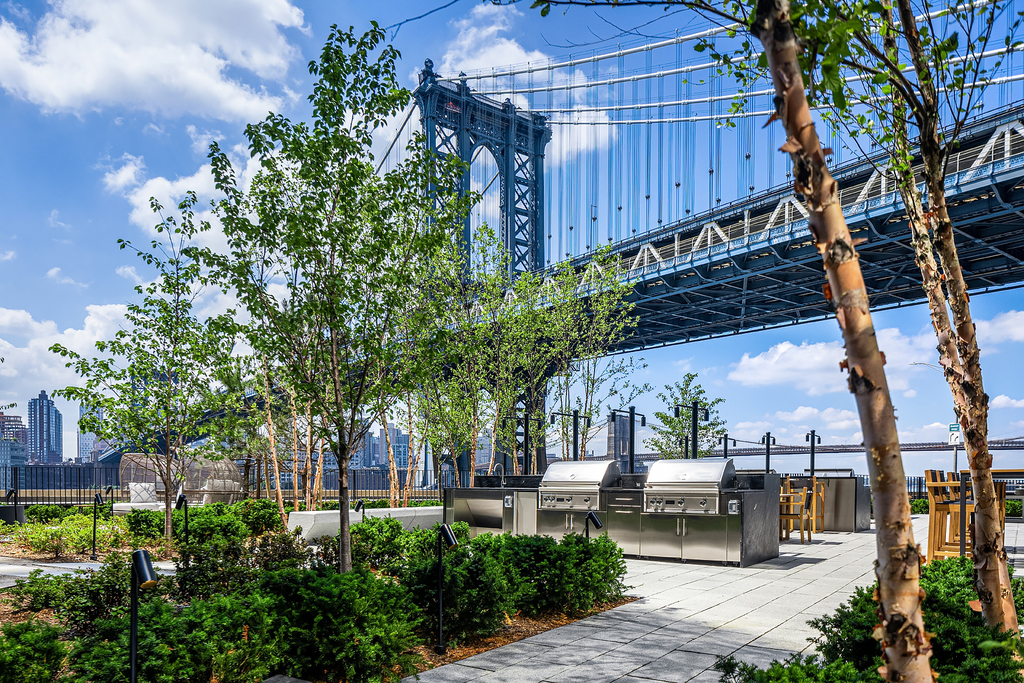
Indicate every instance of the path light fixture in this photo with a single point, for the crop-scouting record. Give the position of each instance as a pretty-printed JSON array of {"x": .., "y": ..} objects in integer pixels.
[
  {"x": 11, "y": 492},
  {"x": 182, "y": 502},
  {"x": 97, "y": 501},
  {"x": 143, "y": 578},
  {"x": 445, "y": 541},
  {"x": 592, "y": 518},
  {"x": 361, "y": 507}
]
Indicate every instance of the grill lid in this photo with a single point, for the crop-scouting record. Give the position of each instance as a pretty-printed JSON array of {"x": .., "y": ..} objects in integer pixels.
[
  {"x": 688, "y": 473},
  {"x": 571, "y": 473}
]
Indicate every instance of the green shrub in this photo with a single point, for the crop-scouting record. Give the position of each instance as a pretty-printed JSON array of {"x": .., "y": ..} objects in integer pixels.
[
  {"x": 145, "y": 525},
  {"x": 796, "y": 669},
  {"x": 31, "y": 652},
  {"x": 477, "y": 597},
  {"x": 207, "y": 522},
  {"x": 259, "y": 515},
  {"x": 72, "y": 535},
  {"x": 1014, "y": 508},
  {"x": 51, "y": 514},
  {"x": 919, "y": 506},
  {"x": 378, "y": 542},
  {"x": 959, "y": 632},
  {"x": 349, "y": 627},
  {"x": 80, "y": 598}
]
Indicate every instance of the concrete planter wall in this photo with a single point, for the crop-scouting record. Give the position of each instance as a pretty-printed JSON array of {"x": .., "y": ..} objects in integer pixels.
[{"x": 326, "y": 522}]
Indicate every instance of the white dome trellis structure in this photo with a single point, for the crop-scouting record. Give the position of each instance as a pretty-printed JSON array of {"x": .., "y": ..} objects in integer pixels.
[{"x": 203, "y": 480}]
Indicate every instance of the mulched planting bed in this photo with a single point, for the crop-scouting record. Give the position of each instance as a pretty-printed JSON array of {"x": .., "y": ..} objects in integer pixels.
[{"x": 517, "y": 629}]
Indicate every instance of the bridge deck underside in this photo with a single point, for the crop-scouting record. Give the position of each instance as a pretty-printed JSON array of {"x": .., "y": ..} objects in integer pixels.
[{"x": 774, "y": 276}]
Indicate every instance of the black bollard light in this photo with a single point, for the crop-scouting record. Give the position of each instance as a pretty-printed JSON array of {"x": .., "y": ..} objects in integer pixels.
[
  {"x": 96, "y": 502},
  {"x": 592, "y": 518},
  {"x": 143, "y": 578},
  {"x": 445, "y": 540},
  {"x": 182, "y": 502},
  {"x": 361, "y": 507}
]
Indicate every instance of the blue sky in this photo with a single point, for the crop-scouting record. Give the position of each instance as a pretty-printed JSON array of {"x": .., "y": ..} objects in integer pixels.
[{"x": 105, "y": 104}]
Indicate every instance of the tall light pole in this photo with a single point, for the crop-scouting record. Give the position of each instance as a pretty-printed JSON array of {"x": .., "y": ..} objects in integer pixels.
[
  {"x": 631, "y": 446},
  {"x": 768, "y": 440},
  {"x": 812, "y": 438},
  {"x": 575, "y": 429},
  {"x": 695, "y": 412}
]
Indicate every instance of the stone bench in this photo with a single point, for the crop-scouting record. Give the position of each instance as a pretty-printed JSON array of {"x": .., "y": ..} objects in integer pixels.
[{"x": 326, "y": 522}]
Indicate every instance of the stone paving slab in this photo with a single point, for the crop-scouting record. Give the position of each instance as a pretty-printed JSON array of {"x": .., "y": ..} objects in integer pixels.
[{"x": 688, "y": 615}]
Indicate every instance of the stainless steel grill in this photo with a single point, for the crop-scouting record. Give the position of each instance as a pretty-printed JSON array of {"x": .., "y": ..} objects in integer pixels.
[
  {"x": 690, "y": 486},
  {"x": 572, "y": 485}
]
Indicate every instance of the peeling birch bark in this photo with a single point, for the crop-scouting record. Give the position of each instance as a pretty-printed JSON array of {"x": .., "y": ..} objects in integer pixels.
[{"x": 905, "y": 645}]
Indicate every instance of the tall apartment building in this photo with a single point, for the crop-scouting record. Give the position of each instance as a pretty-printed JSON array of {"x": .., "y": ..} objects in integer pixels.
[
  {"x": 87, "y": 442},
  {"x": 13, "y": 427},
  {"x": 12, "y": 454},
  {"x": 45, "y": 431},
  {"x": 399, "y": 446}
]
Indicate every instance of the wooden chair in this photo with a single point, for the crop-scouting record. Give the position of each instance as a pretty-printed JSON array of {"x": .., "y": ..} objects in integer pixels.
[
  {"x": 817, "y": 505},
  {"x": 795, "y": 507},
  {"x": 943, "y": 516}
]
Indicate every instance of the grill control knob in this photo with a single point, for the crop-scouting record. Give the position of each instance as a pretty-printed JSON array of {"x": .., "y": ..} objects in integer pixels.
[
  {"x": 704, "y": 503},
  {"x": 568, "y": 499},
  {"x": 587, "y": 499}
]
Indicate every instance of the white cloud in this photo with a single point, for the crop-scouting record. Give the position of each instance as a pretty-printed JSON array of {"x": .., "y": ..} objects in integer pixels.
[
  {"x": 910, "y": 393},
  {"x": 1004, "y": 401},
  {"x": 30, "y": 366},
  {"x": 127, "y": 175},
  {"x": 55, "y": 220},
  {"x": 84, "y": 55},
  {"x": 201, "y": 141},
  {"x": 54, "y": 274},
  {"x": 936, "y": 431},
  {"x": 1007, "y": 326},
  {"x": 128, "y": 273},
  {"x": 7, "y": 255},
  {"x": 683, "y": 364},
  {"x": 481, "y": 43},
  {"x": 814, "y": 368},
  {"x": 801, "y": 414}
]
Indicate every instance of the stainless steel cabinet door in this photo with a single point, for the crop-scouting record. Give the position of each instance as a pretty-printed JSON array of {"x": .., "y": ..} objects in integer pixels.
[
  {"x": 705, "y": 537},
  {"x": 623, "y": 526},
  {"x": 660, "y": 535},
  {"x": 553, "y": 523}
]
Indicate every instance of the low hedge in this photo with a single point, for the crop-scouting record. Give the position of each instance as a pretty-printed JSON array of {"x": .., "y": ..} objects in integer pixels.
[
  {"x": 72, "y": 534},
  {"x": 31, "y": 652},
  {"x": 920, "y": 507}
]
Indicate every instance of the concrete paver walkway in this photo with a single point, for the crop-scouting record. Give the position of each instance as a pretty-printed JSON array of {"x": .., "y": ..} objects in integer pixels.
[{"x": 689, "y": 614}]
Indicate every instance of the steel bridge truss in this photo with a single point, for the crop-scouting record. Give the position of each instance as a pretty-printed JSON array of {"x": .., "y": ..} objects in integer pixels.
[
  {"x": 456, "y": 121},
  {"x": 753, "y": 264}
]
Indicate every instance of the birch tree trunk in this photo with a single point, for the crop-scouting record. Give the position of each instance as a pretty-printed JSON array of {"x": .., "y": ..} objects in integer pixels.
[
  {"x": 392, "y": 465},
  {"x": 307, "y": 476},
  {"x": 295, "y": 451},
  {"x": 273, "y": 450},
  {"x": 905, "y": 647},
  {"x": 959, "y": 354},
  {"x": 414, "y": 453}
]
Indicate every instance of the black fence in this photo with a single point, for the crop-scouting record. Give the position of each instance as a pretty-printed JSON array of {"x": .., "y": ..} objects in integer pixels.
[{"x": 77, "y": 484}]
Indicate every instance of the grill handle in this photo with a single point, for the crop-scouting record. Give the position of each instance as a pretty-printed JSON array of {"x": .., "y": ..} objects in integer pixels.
[{"x": 680, "y": 526}]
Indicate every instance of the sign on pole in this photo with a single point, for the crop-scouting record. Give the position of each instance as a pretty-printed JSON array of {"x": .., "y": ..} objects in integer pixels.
[{"x": 954, "y": 434}]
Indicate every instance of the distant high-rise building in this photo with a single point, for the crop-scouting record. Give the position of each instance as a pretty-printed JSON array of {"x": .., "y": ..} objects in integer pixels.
[
  {"x": 12, "y": 454},
  {"x": 399, "y": 447},
  {"x": 484, "y": 449},
  {"x": 13, "y": 427},
  {"x": 45, "y": 431},
  {"x": 87, "y": 442}
]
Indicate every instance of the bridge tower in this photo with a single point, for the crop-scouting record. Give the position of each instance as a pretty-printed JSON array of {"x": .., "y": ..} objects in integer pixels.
[{"x": 455, "y": 121}]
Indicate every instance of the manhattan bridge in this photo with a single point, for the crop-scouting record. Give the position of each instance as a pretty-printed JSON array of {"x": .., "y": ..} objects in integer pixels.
[{"x": 636, "y": 149}]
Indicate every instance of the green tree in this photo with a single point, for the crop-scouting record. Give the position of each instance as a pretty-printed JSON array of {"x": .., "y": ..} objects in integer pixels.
[
  {"x": 775, "y": 24},
  {"x": 673, "y": 433},
  {"x": 157, "y": 381},
  {"x": 324, "y": 251}
]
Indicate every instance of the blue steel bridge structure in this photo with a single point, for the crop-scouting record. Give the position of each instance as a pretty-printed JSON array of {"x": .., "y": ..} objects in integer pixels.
[{"x": 643, "y": 157}]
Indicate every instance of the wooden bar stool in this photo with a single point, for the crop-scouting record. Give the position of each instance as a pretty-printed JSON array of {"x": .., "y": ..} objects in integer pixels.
[{"x": 793, "y": 508}]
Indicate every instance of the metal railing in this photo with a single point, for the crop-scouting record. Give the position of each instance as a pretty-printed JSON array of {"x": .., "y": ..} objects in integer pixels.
[{"x": 64, "y": 485}]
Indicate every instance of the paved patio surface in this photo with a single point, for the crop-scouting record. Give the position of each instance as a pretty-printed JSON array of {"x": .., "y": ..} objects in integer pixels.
[
  {"x": 14, "y": 568},
  {"x": 690, "y": 614}
]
